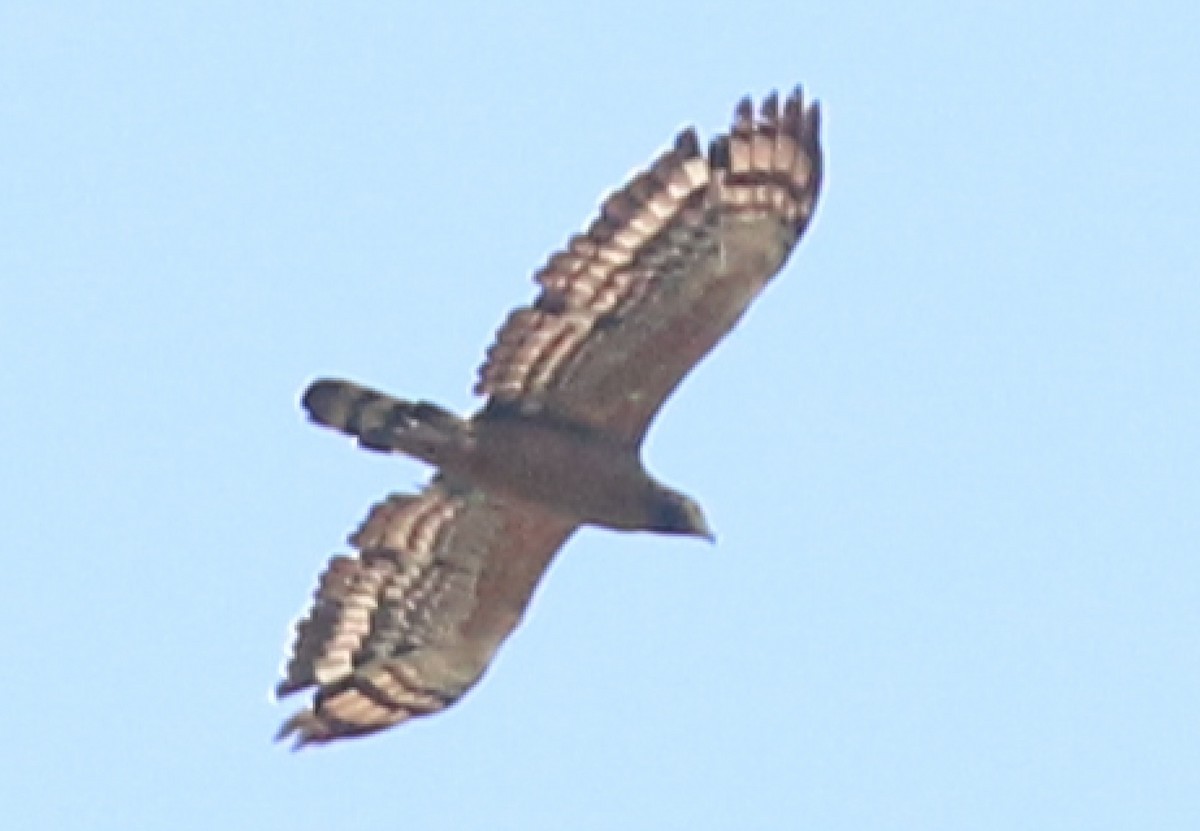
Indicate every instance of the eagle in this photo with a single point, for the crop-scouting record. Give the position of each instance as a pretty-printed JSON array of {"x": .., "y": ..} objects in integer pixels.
[{"x": 439, "y": 579}]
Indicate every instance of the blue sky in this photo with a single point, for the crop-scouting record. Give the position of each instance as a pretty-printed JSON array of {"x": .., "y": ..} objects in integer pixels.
[{"x": 952, "y": 455}]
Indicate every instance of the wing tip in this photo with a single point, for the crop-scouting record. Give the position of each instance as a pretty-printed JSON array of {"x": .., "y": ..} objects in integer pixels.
[
  {"x": 795, "y": 116},
  {"x": 305, "y": 728},
  {"x": 289, "y": 686},
  {"x": 687, "y": 143}
]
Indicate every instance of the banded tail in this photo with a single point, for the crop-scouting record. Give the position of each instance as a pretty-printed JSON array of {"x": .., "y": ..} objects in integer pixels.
[{"x": 382, "y": 423}]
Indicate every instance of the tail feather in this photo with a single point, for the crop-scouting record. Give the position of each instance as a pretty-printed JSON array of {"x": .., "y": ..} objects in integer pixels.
[{"x": 383, "y": 423}]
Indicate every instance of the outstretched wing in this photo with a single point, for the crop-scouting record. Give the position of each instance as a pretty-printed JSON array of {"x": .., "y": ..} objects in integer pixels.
[
  {"x": 662, "y": 275},
  {"x": 408, "y": 625}
]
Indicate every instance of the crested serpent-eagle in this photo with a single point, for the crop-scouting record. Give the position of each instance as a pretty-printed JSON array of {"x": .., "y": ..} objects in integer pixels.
[{"x": 409, "y": 623}]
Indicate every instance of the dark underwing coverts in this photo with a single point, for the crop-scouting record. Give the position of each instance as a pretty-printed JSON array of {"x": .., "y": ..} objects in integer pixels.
[{"x": 407, "y": 624}]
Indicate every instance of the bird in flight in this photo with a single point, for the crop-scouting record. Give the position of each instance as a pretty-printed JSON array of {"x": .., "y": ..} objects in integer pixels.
[{"x": 409, "y": 623}]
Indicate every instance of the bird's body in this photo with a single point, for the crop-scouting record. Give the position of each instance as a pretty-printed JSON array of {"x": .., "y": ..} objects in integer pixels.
[
  {"x": 573, "y": 383},
  {"x": 574, "y": 471},
  {"x": 571, "y": 468}
]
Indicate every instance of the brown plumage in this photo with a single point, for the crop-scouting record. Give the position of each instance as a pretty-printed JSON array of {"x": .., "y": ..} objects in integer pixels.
[{"x": 408, "y": 625}]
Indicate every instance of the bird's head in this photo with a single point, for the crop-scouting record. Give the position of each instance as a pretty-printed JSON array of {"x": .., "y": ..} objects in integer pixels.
[{"x": 676, "y": 513}]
